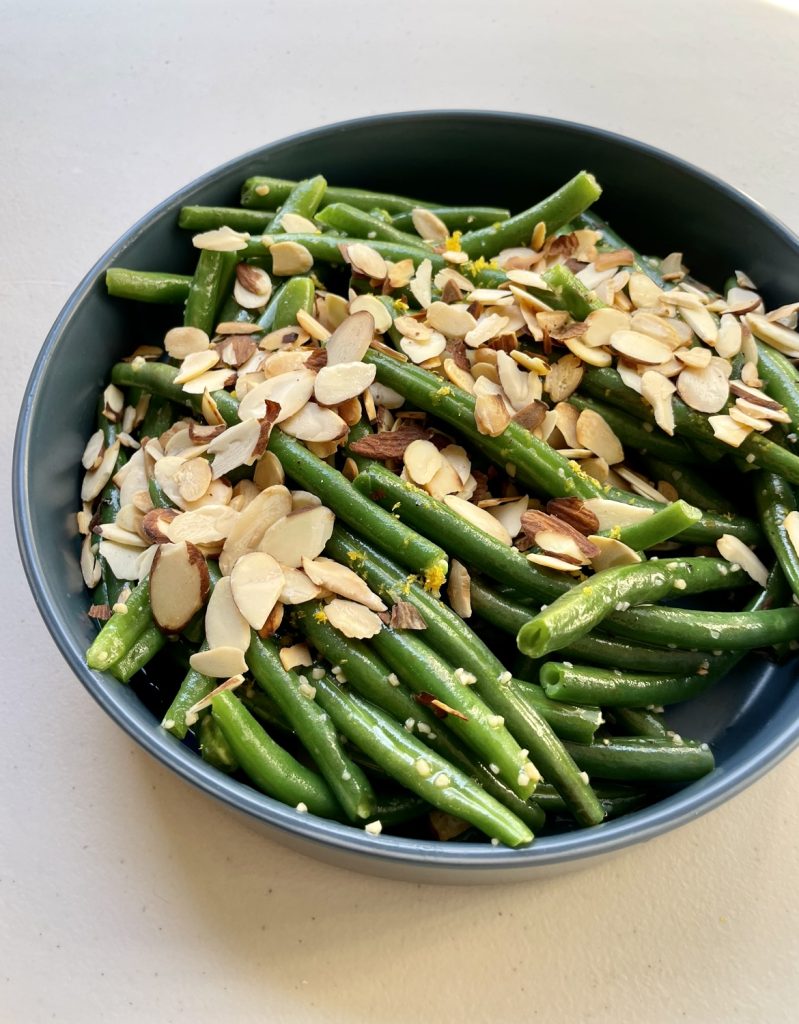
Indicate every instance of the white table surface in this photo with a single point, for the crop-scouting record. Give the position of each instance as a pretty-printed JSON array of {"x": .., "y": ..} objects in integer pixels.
[{"x": 126, "y": 895}]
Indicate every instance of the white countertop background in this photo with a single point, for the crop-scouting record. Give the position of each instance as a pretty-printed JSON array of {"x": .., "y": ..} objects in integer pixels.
[{"x": 125, "y": 895}]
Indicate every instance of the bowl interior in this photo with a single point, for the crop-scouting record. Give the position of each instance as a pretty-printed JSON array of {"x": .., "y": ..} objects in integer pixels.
[{"x": 659, "y": 203}]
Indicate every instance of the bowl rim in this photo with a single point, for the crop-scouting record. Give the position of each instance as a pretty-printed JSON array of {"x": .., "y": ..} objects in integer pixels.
[{"x": 639, "y": 826}]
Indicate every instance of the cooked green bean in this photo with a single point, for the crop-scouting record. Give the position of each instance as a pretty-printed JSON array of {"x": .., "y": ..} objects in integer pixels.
[
  {"x": 775, "y": 501},
  {"x": 302, "y": 200},
  {"x": 264, "y": 193},
  {"x": 208, "y": 289},
  {"x": 147, "y": 285},
  {"x": 690, "y": 484},
  {"x": 121, "y": 631},
  {"x": 638, "y": 759},
  {"x": 669, "y": 522},
  {"x": 143, "y": 649},
  {"x": 633, "y": 433},
  {"x": 615, "y": 800},
  {"x": 358, "y": 224},
  {"x": 214, "y": 748},
  {"x": 207, "y": 218},
  {"x": 457, "y": 218},
  {"x": 639, "y": 722}
]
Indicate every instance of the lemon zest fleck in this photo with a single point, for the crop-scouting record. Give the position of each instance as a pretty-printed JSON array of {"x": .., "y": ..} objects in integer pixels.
[{"x": 453, "y": 242}]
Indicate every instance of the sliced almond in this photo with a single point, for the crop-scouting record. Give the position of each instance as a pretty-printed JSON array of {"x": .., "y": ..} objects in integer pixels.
[
  {"x": 386, "y": 397},
  {"x": 234, "y": 447},
  {"x": 612, "y": 553},
  {"x": 702, "y": 324},
  {"x": 371, "y": 304},
  {"x": 296, "y": 224},
  {"x": 244, "y": 492},
  {"x": 296, "y": 656},
  {"x": 404, "y": 615},
  {"x": 734, "y": 550},
  {"x": 366, "y": 260},
  {"x": 491, "y": 416},
  {"x": 256, "y": 581},
  {"x": 645, "y": 294},
  {"x": 271, "y": 505},
  {"x": 93, "y": 452},
  {"x": 421, "y": 283},
  {"x": 193, "y": 479},
  {"x": 729, "y": 340},
  {"x": 353, "y": 620},
  {"x": 550, "y": 562},
  {"x": 774, "y": 334},
  {"x": 640, "y": 348},
  {"x": 564, "y": 378},
  {"x": 422, "y": 461},
  {"x": 96, "y": 479},
  {"x": 195, "y": 364},
  {"x": 338, "y": 383},
  {"x": 428, "y": 226},
  {"x": 616, "y": 513},
  {"x": 222, "y": 239},
  {"x": 697, "y": 358},
  {"x": 453, "y": 321},
  {"x": 459, "y": 589},
  {"x": 409, "y": 327},
  {"x": 113, "y": 403},
  {"x": 219, "y": 662},
  {"x": 304, "y": 499},
  {"x": 747, "y": 420},
  {"x": 791, "y": 526},
  {"x": 315, "y": 423},
  {"x": 445, "y": 481},
  {"x": 181, "y": 342},
  {"x": 594, "y": 434},
  {"x": 124, "y": 561},
  {"x": 179, "y": 585},
  {"x": 479, "y": 518},
  {"x": 487, "y": 327},
  {"x": 297, "y": 587},
  {"x": 290, "y": 258},
  {"x": 509, "y": 514},
  {"x": 519, "y": 385},
  {"x": 116, "y": 533},
  {"x": 574, "y": 512},
  {"x": 706, "y": 390},
  {"x": 225, "y": 626},
  {"x": 457, "y": 457},
  {"x": 213, "y": 380},
  {"x": 329, "y": 574},
  {"x": 300, "y": 534},
  {"x": 209, "y": 525},
  {"x": 400, "y": 273},
  {"x": 351, "y": 339},
  {"x": 727, "y": 430},
  {"x": 421, "y": 351},
  {"x": 658, "y": 391},
  {"x": 89, "y": 565},
  {"x": 154, "y": 524},
  {"x": 268, "y": 471}
]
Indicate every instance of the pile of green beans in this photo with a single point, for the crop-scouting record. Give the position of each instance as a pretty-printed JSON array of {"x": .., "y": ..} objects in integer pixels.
[{"x": 567, "y": 730}]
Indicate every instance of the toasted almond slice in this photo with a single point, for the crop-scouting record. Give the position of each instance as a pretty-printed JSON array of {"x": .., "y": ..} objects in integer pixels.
[
  {"x": 181, "y": 342},
  {"x": 590, "y": 356},
  {"x": 219, "y": 663},
  {"x": 89, "y": 565},
  {"x": 179, "y": 585},
  {"x": 727, "y": 430},
  {"x": 373, "y": 305},
  {"x": 228, "y": 327},
  {"x": 560, "y": 545},
  {"x": 256, "y": 581},
  {"x": 421, "y": 283},
  {"x": 222, "y": 239},
  {"x": 640, "y": 348},
  {"x": 193, "y": 479},
  {"x": 594, "y": 434},
  {"x": 296, "y": 656},
  {"x": 453, "y": 321},
  {"x": 701, "y": 323},
  {"x": 225, "y": 626},
  {"x": 153, "y": 525},
  {"x": 616, "y": 513},
  {"x": 219, "y": 493},
  {"x": 421, "y": 352},
  {"x": 671, "y": 332},
  {"x": 312, "y": 326},
  {"x": 519, "y": 385},
  {"x": 478, "y": 517},
  {"x": 645, "y": 294},
  {"x": 96, "y": 479},
  {"x": 791, "y": 526},
  {"x": 268, "y": 471},
  {"x": 207, "y": 525},
  {"x": 575, "y": 513},
  {"x": 601, "y": 324},
  {"x": 564, "y": 378},
  {"x": 400, "y": 273},
  {"x": 353, "y": 620},
  {"x": 93, "y": 452},
  {"x": 422, "y": 461},
  {"x": 549, "y": 562},
  {"x": 271, "y": 505},
  {"x": 611, "y": 553},
  {"x": 658, "y": 391},
  {"x": 487, "y": 327},
  {"x": 247, "y": 299},
  {"x": 744, "y": 300},
  {"x": 414, "y": 329},
  {"x": 304, "y": 499},
  {"x": 639, "y": 485},
  {"x": 234, "y": 447},
  {"x": 315, "y": 423},
  {"x": 300, "y": 534},
  {"x": 213, "y": 380},
  {"x": 729, "y": 340},
  {"x": 734, "y": 550},
  {"x": 296, "y": 224},
  {"x": 747, "y": 420},
  {"x": 290, "y": 390},
  {"x": 329, "y": 574},
  {"x": 763, "y": 412},
  {"x": 445, "y": 481},
  {"x": 459, "y": 377},
  {"x": 509, "y": 514},
  {"x": 290, "y": 258},
  {"x": 697, "y": 358},
  {"x": 459, "y": 589},
  {"x": 428, "y": 226},
  {"x": 336, "y": 384},
  {"x": 297, "y": 587},
  {"x": 386, "y": 397},
  {"x": 706, "y": 390},
  {"x": 351, "y": 339},
  {"x": 457, "y": 457},
  {"x": 779, "y": 337},
  {"x": 366, "y": 260},
  {"x": 597, "y": 469},
  {"x": 210, "y": 410},
  {"x": 119, "y": 535},
  {"x": 491, "y": 415}
]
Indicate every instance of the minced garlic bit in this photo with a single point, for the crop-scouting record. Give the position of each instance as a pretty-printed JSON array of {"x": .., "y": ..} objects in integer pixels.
[
  {"x": 318, "y": 672},
  {"x": 584, "y": 777},
  {"x": 423, "y": 767},
  {"x": 301, "y": 808},
  {"x": 393, "y": 680},
  {"x": 467, "y": 678},
  {"x": 496, "y": 721},
  {"x": 442, "y": 780},
  {"x": 374, "y": 828}
]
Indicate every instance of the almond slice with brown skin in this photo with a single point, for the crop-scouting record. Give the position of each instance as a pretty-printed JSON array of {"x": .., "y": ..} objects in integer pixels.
[
  {"x": 300, "y": 534},
  {"x": 298, "y": 588},
  {"x": 658, "y": 391},
  {"x": 735, "y": 551},
  {"x": 290, "y": 390},
  {"x": 271, "y": 505},
  {"x": 225, "y": 626},
  {"x": 594, "y": 434},
  {"x": 640, "y": 348},
  {"x": 96, "y": 479},
  {"x": 154, "y": 524},
  {"x": 338, "y": 383},
  {"x": 179, "y": 585},
  {"x": 478, "y": 517},
  {"x": 315, "y": 423},
  {"x": 366, "y": 260},
  {"x": 575, "y": 513},
  {"x": 219, "y": 662},
  {"x": 612, "y": 552},
  {"x": 93, "y": 452},
  {"x": 491, "y": 416},
  {"x": 338, "y": 579},
  {"x": 423, "y": 460},
  {"x": 353, "y": 620},
  {"x": 351, "y": 339},
  {"x": 253, "y": 286},
  {"x": 256, "y": 582}
]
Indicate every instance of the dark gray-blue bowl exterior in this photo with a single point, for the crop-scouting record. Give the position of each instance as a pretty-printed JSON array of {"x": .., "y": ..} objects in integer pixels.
[{"x": 662, "y": 204}]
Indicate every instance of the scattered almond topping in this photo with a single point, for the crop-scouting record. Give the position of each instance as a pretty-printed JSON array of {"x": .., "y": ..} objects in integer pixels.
[
  {"x": 594, "y": 434},
  {"x": 550, "y": 562},
  {"x": 179, "y": 585},
  {"x": 219, "y": 663},
  {"x": 298, "y": 535},
  {"x": 295, "y": 656},
  {"x": 645, "y": 294},
  {"x": 612, "y": 552},
  {"x": 373, "y": 305},
  {"x": 406, "y": 616},
  {"x": 351, "y": 339},
  {"x": 338, "y": 383},
  {"x": 213, "y": 380},
  {"x": 421, "y": 283},
  {"x": 440, "y": 709},
  {"x": 221, "y": 240},
  {"x": 225, "y": 626},
  {"x": 564, "y": 378},
  {"x": 298, "y": 588},
  {"x": 422, "y": 461},
  {"x": 783, "y": 339},
  {"x": 351, "y": 619},
  {"x": 531, "y": 416},
  {"x": 93, "y": 452},
  {"x": 252, "y": 287},
  {"x": 296, "y": 224},
  {"x": 734, "y": 550},
  {"x": 575, "y": 513},
  {"x": 491, "y": 415},
  {"x": 388, "y": 444},
  {"x": 671, "y": 268},
  {"x": 256, "y": 581},
  {"x": 366, "y": 260},
  {"x": 271, "y": 505},
  {"x": 727, "y": 430},
  {"x": 478, "y": 517},
  {"x": 706, "y": 390},
  {"x": 315, "y": 423},
  {"x": 290, "y": 258},
  {"x": 454, "y": 321},
  {"x": 459, "y": 589},
  {"x": 641, "y": 348},
  {"x": 613, "y": 258},
  {"x": 101, "y": 612},
  {"x": 95, "y": 479},
  {"x": 339, "y": 579},
  {"x": 428, "y": 226},
  {"x": 658, "y": 391}
]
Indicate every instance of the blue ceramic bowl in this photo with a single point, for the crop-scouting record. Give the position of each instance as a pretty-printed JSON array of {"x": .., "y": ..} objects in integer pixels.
[{"x": 661, "y": 203}]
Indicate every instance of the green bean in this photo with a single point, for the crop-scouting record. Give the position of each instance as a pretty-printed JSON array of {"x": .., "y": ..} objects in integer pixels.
[
  {"x": 357, "y": 224},
  {"x": 643, "y": 437},
  {"x": 775, "y": 501},
  {"x": 578, "y": 611},
  {"x": 569, "y": 293},
  {"x": 120, "y": 632},
  {"x": 637, "y": 759},
  {"x": 457, "y": 218},
  {"x": 690, "y": 483},
  {"x": 207, "y": 218},
  {"x": 639, "y": 722},
  {"x": 272, "y": 769},
  {"x": 373, "y": 679},
  {"x": 194, "y": 688},
  {"x": 297, "y": 294},
  {"x": 277, "y": 191},
  {"x": 781, "y": 379},
  {"x": 157, "y": 495},
  {"x": 558, "y": 209},
  {"x": 214, "y": 748},
  {"x": 591, "y": 221},
  {"x": 417, "y": 767},
  {"x": 397, "y": 808},
  {"x": 480, "y": 729},
  {"x": 294, "y": 695},
  {"x": 616, "y": 688},
  {"x": 208, "y": 288},
  {"x": 143, "y": 649},
  {"x": 661, "y": 526},
  {"x": 303, "y": 200},
  {"x": 606, "y": 384},
  {"x": 267, "y": 319},
  {"x": 504, "y": 613},
  {"x": 159, "y": 416},
  {"x": 147, "y": 285},
  {"x": 615, "y": 800}
]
